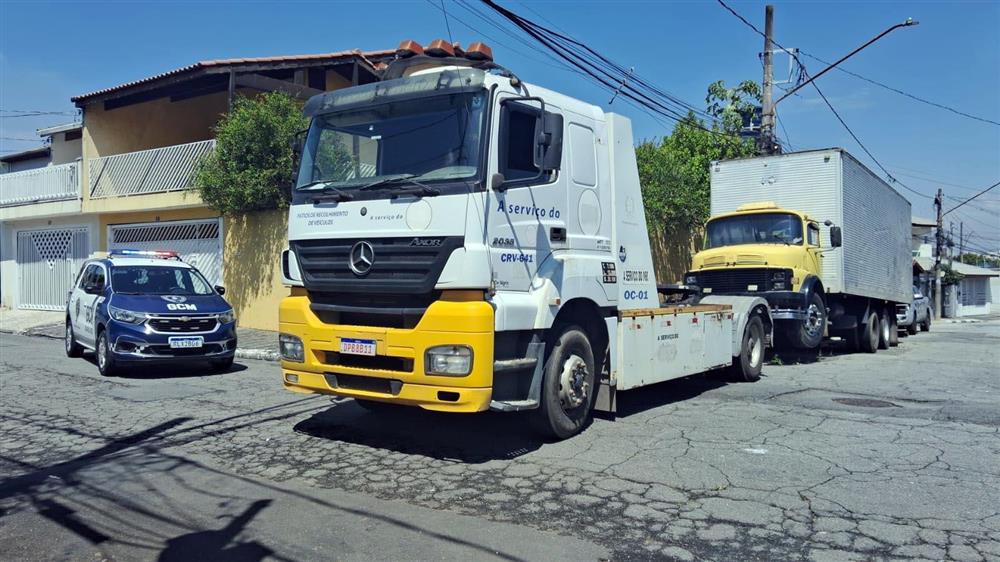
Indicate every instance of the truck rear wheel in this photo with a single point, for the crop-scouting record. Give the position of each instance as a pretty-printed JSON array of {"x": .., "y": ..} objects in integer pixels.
[
  {"x": 746, "y": 367},
  {"x": 869, "y": 333},
  {"x": 893, "y": 331},
  {"x": 808, "y": 333},
  {"x": 568, "y": 385},
  {"x": 884, "y": 336}
]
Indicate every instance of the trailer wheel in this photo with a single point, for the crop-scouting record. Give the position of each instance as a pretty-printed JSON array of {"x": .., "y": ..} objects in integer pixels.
[
  {"x": 568, "y": 385},
  {"x": 893, "y": 331},
  {"x": 883, "y": 330},
  {"x": 746, "y": 367},
  {"x": 808, "y": 333},
  {"x": 869, "y": 333}
]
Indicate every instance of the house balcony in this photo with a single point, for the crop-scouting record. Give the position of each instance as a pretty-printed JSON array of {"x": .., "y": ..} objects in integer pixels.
[
  {"x": 51, "y": 190},
  {"x": 158, "y": 170}
]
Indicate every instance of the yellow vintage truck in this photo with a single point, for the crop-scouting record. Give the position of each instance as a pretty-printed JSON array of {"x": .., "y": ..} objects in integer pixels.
[{"x": 818, "y": 235}]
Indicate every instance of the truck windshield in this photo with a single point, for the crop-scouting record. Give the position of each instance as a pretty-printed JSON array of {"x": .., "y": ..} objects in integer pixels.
[
  {"x": 158, "y": 280},
  {"x": 431, "y": 139},
  {"x": 763, "y": 228}
]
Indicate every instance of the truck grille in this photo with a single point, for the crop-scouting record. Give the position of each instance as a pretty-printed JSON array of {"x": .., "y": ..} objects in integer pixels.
[
  {"x": 182, "y": 324},
  {"x": 407, "y": 265},
  {"x": 734, "y": 280}
]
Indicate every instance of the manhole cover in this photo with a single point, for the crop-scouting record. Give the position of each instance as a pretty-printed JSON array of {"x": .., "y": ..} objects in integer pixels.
[{"x": 864, "y": 402}]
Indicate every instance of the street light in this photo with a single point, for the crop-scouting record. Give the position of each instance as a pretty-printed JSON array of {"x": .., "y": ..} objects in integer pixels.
[{"x": 909, "y": 22}]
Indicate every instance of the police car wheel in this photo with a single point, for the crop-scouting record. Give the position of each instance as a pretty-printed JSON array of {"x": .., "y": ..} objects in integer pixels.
[
  {"x": 73, "y": 349},
  {"x": 105, "y": 359}
]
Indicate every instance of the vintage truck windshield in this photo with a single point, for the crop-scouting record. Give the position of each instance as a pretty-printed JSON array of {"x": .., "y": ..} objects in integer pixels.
[
  {"x": 427, "y": 139},
  {"x": 763, "y": 228}
]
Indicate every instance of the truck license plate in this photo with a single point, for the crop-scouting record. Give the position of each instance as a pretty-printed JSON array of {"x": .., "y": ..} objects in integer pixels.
[
  {"x": 357, "y": 347},
  {"x": 185, "y": 342}
]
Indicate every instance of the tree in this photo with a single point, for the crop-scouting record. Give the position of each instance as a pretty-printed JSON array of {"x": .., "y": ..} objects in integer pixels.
[
  {"x": 251, "y": 168},
  {"x": 674, "y": 172},
  {"x": 980, "y": 260}
]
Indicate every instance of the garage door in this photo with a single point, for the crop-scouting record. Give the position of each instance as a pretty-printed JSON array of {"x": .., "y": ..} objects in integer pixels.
[
  {"x": 199, "y": 242},
  {"x": 47, "y": 263}
]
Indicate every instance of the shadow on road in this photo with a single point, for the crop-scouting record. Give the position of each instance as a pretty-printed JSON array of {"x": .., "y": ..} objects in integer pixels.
[
  {"x": 136, "y": 497},
  {"x": 181, "y": 370},
  {"x": 420, "y": 432},
  {"x": 664, "y": 393}
]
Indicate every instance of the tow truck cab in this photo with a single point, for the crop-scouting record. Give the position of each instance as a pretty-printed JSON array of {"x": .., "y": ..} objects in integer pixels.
[{"x": 462, "y": 241}]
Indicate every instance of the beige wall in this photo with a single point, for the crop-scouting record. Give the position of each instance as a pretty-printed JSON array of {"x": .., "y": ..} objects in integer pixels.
[
  {"x": 672, "y": 255},
  {"x": 252, "y": 267},
  {"x": 64, "y": 151}
]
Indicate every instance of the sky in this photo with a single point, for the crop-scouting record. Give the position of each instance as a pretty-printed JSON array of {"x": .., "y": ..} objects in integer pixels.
[{"x": 50, "y": 51}]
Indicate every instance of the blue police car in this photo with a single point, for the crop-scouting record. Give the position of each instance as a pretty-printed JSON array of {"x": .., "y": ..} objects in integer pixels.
[{"x": 148, "y": 307}]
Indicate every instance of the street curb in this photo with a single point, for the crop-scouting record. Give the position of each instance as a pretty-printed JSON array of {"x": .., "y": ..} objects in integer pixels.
[{"x": 241, "y": 352}]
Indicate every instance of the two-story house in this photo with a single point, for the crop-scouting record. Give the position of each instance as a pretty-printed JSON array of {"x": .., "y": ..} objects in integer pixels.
[{"x": 140, "y": 142}]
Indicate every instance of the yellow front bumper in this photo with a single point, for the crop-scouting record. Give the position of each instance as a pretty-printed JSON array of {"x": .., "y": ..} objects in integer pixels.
[{"x": 400, "y": 356}]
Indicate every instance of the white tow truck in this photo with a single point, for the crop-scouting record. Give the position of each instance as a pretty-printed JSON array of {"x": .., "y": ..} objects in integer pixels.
[{"x": 462, "y": 241}]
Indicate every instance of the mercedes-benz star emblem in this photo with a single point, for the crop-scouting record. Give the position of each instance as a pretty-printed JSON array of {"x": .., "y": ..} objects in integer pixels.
[{"x": 362, "y": 258}]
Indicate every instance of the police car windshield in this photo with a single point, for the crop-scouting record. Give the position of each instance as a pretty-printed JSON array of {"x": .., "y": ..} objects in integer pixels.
[{"x": 158, "y": 280}]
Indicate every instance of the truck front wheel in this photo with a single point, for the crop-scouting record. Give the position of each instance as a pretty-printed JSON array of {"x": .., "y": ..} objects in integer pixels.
[
  {"x": 568, "y": 385},
  {"x": 747, "y": 366},
  {"x": 808, "y": 333}
]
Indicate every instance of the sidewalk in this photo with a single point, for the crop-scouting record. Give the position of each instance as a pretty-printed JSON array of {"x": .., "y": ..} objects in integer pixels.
[{"x": 253, "y": 344}]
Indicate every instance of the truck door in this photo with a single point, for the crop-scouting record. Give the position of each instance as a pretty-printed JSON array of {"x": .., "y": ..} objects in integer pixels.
[
  {"x": 527, "y": 215},
  {"x": 814, "y": 255}
]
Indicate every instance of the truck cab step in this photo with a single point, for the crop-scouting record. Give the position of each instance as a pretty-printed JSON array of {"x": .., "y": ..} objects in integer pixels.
[{"x": 513, "y": 405}]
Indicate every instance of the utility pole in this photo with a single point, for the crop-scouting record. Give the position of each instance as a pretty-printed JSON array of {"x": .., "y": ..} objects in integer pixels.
[
  {"x": 766, "y": 142},
  {"x": 961, "y": 240},
  {"x": 938, "y": 246}
]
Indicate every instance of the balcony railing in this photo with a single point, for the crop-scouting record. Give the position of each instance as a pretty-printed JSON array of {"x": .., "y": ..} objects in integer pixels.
[
  {"x": 52, "y": 183},
  {"x": 156, "y": 170}
]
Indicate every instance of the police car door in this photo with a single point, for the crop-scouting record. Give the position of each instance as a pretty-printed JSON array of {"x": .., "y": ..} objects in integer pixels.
[
  {"x": 526, "y": 219},
  {"x": 91, "y": 289}
]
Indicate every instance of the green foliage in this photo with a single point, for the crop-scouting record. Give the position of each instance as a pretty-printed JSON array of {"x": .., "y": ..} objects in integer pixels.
[
  {"x": 251, "y": 168},
  {"x": 949, "y": 276},
  {"x": 674, "y": 172},
  {"x": 980, "y": 260}
]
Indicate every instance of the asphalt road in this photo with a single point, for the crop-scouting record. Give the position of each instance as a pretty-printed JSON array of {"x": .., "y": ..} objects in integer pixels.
[{"x": 852, "y": 457}]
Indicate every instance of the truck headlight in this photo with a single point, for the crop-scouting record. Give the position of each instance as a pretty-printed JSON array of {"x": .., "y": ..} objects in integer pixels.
[
  {"x": 127, "y": 316},
  {"x": 227, "y": 317},
  {"x": 779, "y": 280},
  {"x": 448, "y": 360},
  {"x": 291, "y": 348}
]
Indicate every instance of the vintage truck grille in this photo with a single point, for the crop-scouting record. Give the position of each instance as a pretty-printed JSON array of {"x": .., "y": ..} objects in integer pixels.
[
  {"x": 724, "y": 281},
  {"x": 403, "y": 266}
]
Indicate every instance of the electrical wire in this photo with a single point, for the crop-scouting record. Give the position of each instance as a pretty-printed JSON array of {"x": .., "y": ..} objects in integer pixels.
[
  {"x": 610, "y": 75},
  {"x": 892, "y": 179},
  {"x": 447, "y": 25},
  {"x": 902, "y": 93},
  {"x": 990, "y": 188}
]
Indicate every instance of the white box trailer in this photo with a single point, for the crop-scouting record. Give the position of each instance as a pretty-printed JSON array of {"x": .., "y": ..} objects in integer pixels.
[{"x": 875, "y": 260}]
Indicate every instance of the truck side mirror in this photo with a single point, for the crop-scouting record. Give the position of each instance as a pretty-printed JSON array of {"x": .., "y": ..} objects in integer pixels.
[
  {"x": 220, "y": 289},
  {"x": 496, "y": 182},
  {"x": 298, "y": 142},
  {"x": 836, "y": 237}
]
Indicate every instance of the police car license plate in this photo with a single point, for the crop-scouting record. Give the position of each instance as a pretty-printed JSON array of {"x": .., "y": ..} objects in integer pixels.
[
  {"x": 357, "y": 347},
  {"x": 185, "y": 342}
]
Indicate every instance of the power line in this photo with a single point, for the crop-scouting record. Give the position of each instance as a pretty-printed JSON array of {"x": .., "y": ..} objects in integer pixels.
[
  {"x": 446, "y": 24},
  {"x": 971, "y": 198},
  {"x": 889, "y": 175},
  {"x": 902, "y": 93}
]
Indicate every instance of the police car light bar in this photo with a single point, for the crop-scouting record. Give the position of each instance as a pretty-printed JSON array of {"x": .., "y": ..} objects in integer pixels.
[{"x": 162, "y": 254}]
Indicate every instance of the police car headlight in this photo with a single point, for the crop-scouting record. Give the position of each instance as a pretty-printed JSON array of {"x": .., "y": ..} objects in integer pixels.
[
  {"x": 691, "y": 279},
  {"x": 227, "y": 317},
  {"x": 449, "y": 360},
  {"x": 127, "y": 316}
]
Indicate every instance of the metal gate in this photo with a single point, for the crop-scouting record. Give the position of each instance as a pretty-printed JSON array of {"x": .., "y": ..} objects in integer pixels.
[
  {"x": 47, "y": 264},
  {"x": 199, "y": 242}
]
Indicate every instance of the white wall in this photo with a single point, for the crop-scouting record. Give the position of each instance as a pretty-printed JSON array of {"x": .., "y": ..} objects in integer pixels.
[{"x": 8, "y": 247}]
